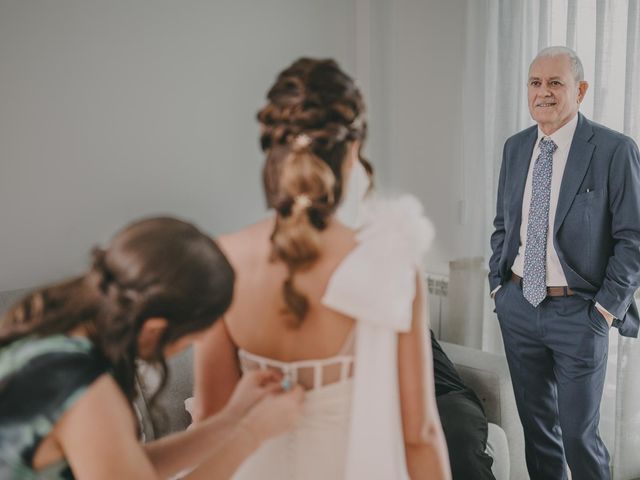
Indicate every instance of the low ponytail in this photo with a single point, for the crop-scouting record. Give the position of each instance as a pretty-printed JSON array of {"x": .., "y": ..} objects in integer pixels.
[
  {"x": 53, "y": 309},
  {"x": 305, "y": 201},
  {"x": 313, "y": 115}
]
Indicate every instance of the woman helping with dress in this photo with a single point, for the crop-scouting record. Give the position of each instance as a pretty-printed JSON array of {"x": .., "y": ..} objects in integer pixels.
[
  {"x": 68, "y": 356},
  {"x": 339, "y": 311}
]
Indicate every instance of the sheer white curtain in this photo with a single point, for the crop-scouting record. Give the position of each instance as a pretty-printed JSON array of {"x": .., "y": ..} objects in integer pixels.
[{"x": 503, "y": 36}]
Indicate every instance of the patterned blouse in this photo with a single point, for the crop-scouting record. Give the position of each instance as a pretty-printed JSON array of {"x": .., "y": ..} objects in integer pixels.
[{"x": 40, "y": 379}]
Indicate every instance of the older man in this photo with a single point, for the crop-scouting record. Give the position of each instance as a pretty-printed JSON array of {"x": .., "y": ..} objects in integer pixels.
[{"x": 565, "y": 266}]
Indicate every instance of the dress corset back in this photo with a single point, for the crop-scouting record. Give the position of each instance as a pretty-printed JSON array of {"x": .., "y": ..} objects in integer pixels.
[
  {"x": 311, "y": 374},
  {"x": 316, "y": 448},
  {"x": 351, "y": 426}
]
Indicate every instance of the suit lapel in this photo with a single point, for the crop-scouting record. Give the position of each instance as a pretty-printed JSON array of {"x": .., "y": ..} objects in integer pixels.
[
  {"x": 520, "y": 172},
  {"x": 518, "y": 180},
  {"x": 578, "y": 162}
]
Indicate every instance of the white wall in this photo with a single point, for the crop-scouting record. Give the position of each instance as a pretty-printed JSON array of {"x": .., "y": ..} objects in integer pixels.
[
  {"x": 426, "y": 63},
  {"x": 114, "y": 110},
  {"x": 110, "y": 110}
]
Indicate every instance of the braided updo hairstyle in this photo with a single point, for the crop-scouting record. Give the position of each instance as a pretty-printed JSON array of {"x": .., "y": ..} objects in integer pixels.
[
  {"x": 314, "y": 113},
  {"x": 159, "y": 267}
]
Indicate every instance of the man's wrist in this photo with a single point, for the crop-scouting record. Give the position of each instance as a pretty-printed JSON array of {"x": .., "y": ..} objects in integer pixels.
[{"x": 608, "y": 316}]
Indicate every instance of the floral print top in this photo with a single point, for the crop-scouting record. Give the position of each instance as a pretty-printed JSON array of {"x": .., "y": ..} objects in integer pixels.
[{"x": 40, "y": 379}]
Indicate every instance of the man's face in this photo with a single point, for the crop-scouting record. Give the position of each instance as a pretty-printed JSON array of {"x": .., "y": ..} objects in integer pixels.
[{"x": 554, "y": 94}]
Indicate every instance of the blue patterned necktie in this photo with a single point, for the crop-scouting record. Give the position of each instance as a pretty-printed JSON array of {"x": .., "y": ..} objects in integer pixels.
[{"x": 534, "y": 278}]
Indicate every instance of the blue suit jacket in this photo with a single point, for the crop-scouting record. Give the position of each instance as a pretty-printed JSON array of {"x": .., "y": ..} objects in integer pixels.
[{"x": 597, "y": 226}]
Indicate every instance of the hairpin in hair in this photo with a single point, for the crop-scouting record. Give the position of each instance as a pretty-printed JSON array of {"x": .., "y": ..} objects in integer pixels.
[
  {"x": 302, "y": 202},
  {"x": 302, "y": 141},
  {"x": 358, "y": 122}
]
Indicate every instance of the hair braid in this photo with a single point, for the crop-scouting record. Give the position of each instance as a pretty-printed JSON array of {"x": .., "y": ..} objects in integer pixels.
[{"x": 314, "y": 112}]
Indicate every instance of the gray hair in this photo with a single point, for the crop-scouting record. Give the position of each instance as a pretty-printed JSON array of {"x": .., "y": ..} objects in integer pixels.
[{"x": 574, "y": 60}]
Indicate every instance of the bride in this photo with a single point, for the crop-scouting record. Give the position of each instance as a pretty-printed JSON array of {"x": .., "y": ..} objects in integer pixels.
[{"x": 337, "y": 310}]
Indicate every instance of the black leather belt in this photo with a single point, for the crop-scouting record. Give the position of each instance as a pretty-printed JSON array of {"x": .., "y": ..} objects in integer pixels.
[{"x": 551, "y": 291}]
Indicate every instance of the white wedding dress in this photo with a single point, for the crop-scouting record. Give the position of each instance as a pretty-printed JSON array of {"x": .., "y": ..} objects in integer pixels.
[{"x": 350, "y": 426}]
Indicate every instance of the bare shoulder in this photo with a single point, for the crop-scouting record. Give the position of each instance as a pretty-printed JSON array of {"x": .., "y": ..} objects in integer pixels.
[
  {"x": 339, "y": 234},
  {"x": 102, "y": 400},
  {"x": 103, "y": 415},
  {"x": 238, "y": 243}
]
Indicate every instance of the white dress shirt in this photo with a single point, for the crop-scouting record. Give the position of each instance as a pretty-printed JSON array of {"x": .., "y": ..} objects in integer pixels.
[{"x": 562, "y": 138}]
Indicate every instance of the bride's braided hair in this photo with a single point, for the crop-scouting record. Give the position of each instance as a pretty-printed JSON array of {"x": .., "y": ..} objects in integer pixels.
[{"x": 314, "y": 112}]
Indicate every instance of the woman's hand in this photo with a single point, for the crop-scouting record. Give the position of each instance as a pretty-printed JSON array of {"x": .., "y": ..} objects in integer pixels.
[
  {"x": 276, "y": 413},
  {"x": 252, "y": 387}
]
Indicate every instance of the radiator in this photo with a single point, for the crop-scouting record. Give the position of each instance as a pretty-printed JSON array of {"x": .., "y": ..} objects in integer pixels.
[{"x": 437, "y": 301}]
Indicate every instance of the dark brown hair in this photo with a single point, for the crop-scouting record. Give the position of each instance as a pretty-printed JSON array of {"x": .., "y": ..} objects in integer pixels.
[
  {"x": 159, "y": 267},
  {"x": 313, "y": 114}
]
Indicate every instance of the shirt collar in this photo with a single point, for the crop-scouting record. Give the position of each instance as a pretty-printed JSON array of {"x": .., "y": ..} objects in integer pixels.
[{"x": 563, "y": 136}]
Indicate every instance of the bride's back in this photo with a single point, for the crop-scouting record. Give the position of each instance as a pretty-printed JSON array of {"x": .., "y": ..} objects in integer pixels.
[
  {"x": 302, "y": 280},
  {"x": 269, "y": 335},
  {"x": 258, "y": 319}
]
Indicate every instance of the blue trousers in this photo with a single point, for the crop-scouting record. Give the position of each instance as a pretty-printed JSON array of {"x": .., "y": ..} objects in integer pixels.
[{"x": 557, "y": 356}]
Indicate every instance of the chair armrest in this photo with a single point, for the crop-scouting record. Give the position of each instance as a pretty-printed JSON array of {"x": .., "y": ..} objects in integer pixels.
[
  {"x": 487, "y": 374},
  {"x": 498, "y": 449}
]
